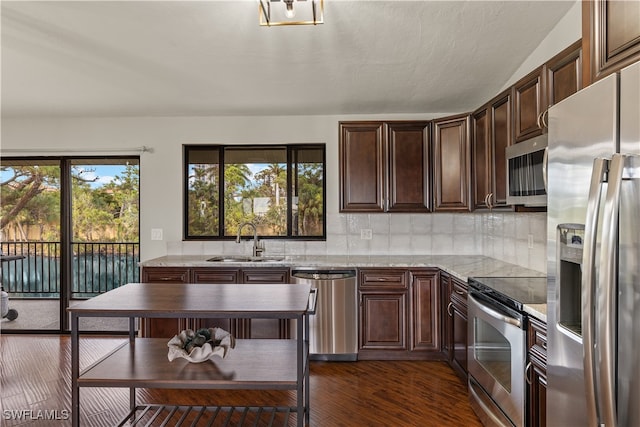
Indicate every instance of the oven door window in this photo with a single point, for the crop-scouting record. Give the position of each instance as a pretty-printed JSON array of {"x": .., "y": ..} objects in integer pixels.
[{"x": 493, "y": 352}]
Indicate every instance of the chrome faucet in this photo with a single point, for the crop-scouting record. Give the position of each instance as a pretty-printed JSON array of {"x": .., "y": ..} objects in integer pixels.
[{"x": 258, "y": 246}]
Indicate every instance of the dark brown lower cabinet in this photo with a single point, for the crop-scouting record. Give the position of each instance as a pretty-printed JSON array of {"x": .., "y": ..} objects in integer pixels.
[
  {"x": 399, "y": 314},
  {"x": 214, "y": 275},
  {"x": 536, "y": 373},
  {"x": 265, "y": 328},
  {"x": 383, "y": 319},
  {"x": 454, "y": 330},
  {"x": 459, "y": 332},
  {"x": 159, "y": 327},
  {"x": 240, "y": 328}
]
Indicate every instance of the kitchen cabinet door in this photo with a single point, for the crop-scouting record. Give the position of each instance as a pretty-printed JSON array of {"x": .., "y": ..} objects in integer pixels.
[
  {"x": 610, "y": 37},
  {"x": 409, "y": 161},
  {"x": 424, "y": 313},
  {"x": 564, "y": 74},
  {"x": 383, "y": 319},
  {"x": 459, "y": 329},
  {"x": 362, "y": 167},
  {"x": 537, "y": 377},
  {"x": 530, "y": 103},
  {"x": 447, "y": 316},
  {"x": 452, "y": 164},
  {"x": 482, "y": 164},
  {"x": 459, "y": 359},
  {"x": 536, "y": 373},
  {"x": 500, "y": 135},
  {"x": 158, "y": 327}
]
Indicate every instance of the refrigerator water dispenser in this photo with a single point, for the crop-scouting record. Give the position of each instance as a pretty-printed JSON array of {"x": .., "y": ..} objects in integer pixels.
[{"x": 570, "y": 239}]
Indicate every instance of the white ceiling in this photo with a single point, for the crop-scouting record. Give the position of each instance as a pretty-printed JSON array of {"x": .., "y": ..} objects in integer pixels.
[{"x": 197, "y": 58}]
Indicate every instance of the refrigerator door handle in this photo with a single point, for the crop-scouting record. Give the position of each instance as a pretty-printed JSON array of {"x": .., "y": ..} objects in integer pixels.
[
  {"x": 588, "y": 285},
  {"x": 607, "y": 300},
  {"x": 545, "y": 164}
]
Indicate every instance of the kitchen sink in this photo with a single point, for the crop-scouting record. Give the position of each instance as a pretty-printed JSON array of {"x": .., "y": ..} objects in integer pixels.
[{"x": 240, "y": 258}]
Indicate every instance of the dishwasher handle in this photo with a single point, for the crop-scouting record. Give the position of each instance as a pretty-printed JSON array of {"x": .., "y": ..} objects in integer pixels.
[
  {"x": 313, "y": 301},
  {"x": 323, "y": 274}
]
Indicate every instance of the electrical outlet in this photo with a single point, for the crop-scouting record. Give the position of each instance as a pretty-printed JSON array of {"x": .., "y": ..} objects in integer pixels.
[
  {"x": 156, "y": 234},
  {"x": 366, "y": 234},
  {"x": 530, "y": 241}
]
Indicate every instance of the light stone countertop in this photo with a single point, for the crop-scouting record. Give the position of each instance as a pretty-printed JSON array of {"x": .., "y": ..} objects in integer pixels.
[
  {"x": 539, "y": 311},
  {"x": 459, "y": 266}
]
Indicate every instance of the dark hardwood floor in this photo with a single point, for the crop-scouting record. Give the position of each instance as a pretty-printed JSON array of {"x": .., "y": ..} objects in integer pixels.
[{"x": 36, "y": 376}]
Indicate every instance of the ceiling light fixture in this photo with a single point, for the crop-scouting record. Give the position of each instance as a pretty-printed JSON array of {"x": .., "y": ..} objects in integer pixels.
[{"x": 291, "y": 12}]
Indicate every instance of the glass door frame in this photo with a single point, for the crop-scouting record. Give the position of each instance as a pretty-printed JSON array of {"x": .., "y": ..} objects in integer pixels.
[{"x": 66, "y": 233}]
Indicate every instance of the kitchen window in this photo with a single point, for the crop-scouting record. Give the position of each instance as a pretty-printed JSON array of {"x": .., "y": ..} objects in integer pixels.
[{"x": 279, "y": 188}]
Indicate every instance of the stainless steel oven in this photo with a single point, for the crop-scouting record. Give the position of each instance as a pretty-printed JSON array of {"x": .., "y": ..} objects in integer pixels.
[{"x": 496, "y": 360}]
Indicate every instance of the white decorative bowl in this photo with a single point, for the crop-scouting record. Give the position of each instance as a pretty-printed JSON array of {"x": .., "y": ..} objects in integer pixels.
[{"x": 219, "y": 345}]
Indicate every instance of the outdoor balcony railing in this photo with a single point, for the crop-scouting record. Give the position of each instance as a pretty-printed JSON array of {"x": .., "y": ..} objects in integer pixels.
[{"x": 97, "y": 267}]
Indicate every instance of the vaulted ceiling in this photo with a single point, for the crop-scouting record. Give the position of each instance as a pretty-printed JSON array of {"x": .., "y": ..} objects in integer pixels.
[{"x": 200, "y": 58}]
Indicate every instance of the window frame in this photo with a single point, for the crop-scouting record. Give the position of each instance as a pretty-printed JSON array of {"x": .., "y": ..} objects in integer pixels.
[{"x": 220, "y": 148}]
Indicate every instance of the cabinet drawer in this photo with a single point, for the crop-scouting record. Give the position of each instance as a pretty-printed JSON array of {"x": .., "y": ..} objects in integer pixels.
[
  {"x": 265, "y": 276},
  {"x": 207, "y": 275},
  {"x": 459, "y": 289},
  {"x": 387, "y": 278},
  {"x": 537, "y": 338},
  {"x": 162, "y": 274}
]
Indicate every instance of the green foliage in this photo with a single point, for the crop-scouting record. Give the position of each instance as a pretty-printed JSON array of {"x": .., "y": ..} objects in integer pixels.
[
  {"x": 31, "y": 197},
  {"x": 310, "y": 204},
  {"x": 260, "y": 198}
]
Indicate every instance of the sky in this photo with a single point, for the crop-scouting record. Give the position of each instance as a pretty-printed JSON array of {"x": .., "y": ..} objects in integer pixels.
[{"x": 103, "y": 173}]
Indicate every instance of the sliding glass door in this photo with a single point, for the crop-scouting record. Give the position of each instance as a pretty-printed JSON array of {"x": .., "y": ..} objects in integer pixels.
[{"x": 69, "y": 232}]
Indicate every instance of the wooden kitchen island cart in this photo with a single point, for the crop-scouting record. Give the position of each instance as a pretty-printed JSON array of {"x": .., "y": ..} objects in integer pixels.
[{"x": 254, "y": 364}]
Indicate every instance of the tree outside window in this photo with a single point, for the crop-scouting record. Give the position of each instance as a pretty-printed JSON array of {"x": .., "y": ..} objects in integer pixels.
[{"x": 278, "y": 188}]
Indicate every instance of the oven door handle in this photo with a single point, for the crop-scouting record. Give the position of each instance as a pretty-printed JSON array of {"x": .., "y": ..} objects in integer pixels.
[{"x": 495, "y": 313}]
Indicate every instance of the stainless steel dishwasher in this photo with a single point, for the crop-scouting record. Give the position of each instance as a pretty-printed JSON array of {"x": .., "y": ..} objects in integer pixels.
[{"x": 333, "y": 330}]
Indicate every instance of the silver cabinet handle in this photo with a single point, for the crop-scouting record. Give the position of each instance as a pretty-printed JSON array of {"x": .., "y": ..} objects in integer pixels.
[
  {"x": 527, "y": 373},
  {"x": 588, "y": 282},
  {"x": 541, "y": 121},
  {"x": 449, "y": 306}
]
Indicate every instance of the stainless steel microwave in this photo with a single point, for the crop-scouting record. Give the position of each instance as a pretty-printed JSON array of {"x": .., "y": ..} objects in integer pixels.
[{"x": 527, "y": 172}]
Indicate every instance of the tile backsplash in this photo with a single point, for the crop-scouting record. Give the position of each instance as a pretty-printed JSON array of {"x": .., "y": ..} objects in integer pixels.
[{"x": 500, "y": 235}]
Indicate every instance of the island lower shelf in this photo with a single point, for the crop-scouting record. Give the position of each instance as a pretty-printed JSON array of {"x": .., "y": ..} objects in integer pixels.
[{"x": 253, "y": 364}]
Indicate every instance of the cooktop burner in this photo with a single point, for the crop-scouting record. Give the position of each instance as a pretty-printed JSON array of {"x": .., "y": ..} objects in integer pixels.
[{"x": 515, "y": 292}]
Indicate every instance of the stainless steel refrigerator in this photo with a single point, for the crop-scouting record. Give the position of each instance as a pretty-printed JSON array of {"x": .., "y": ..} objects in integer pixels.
[{"x": 593, "y": 255}]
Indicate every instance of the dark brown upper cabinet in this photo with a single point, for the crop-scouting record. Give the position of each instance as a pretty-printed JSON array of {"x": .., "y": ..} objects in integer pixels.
[
  {"x": 564, "y": 74},
  {"x": 529, "y": 104},
  {"x": 482, "y": 163},
  {"x": 452, "y": 163},
  {"x": 610, "y": 37},
  {"x": 500, "y": 135},
  {"x": 491, "y": 127},
  {"x": 385, "y": 167}
]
